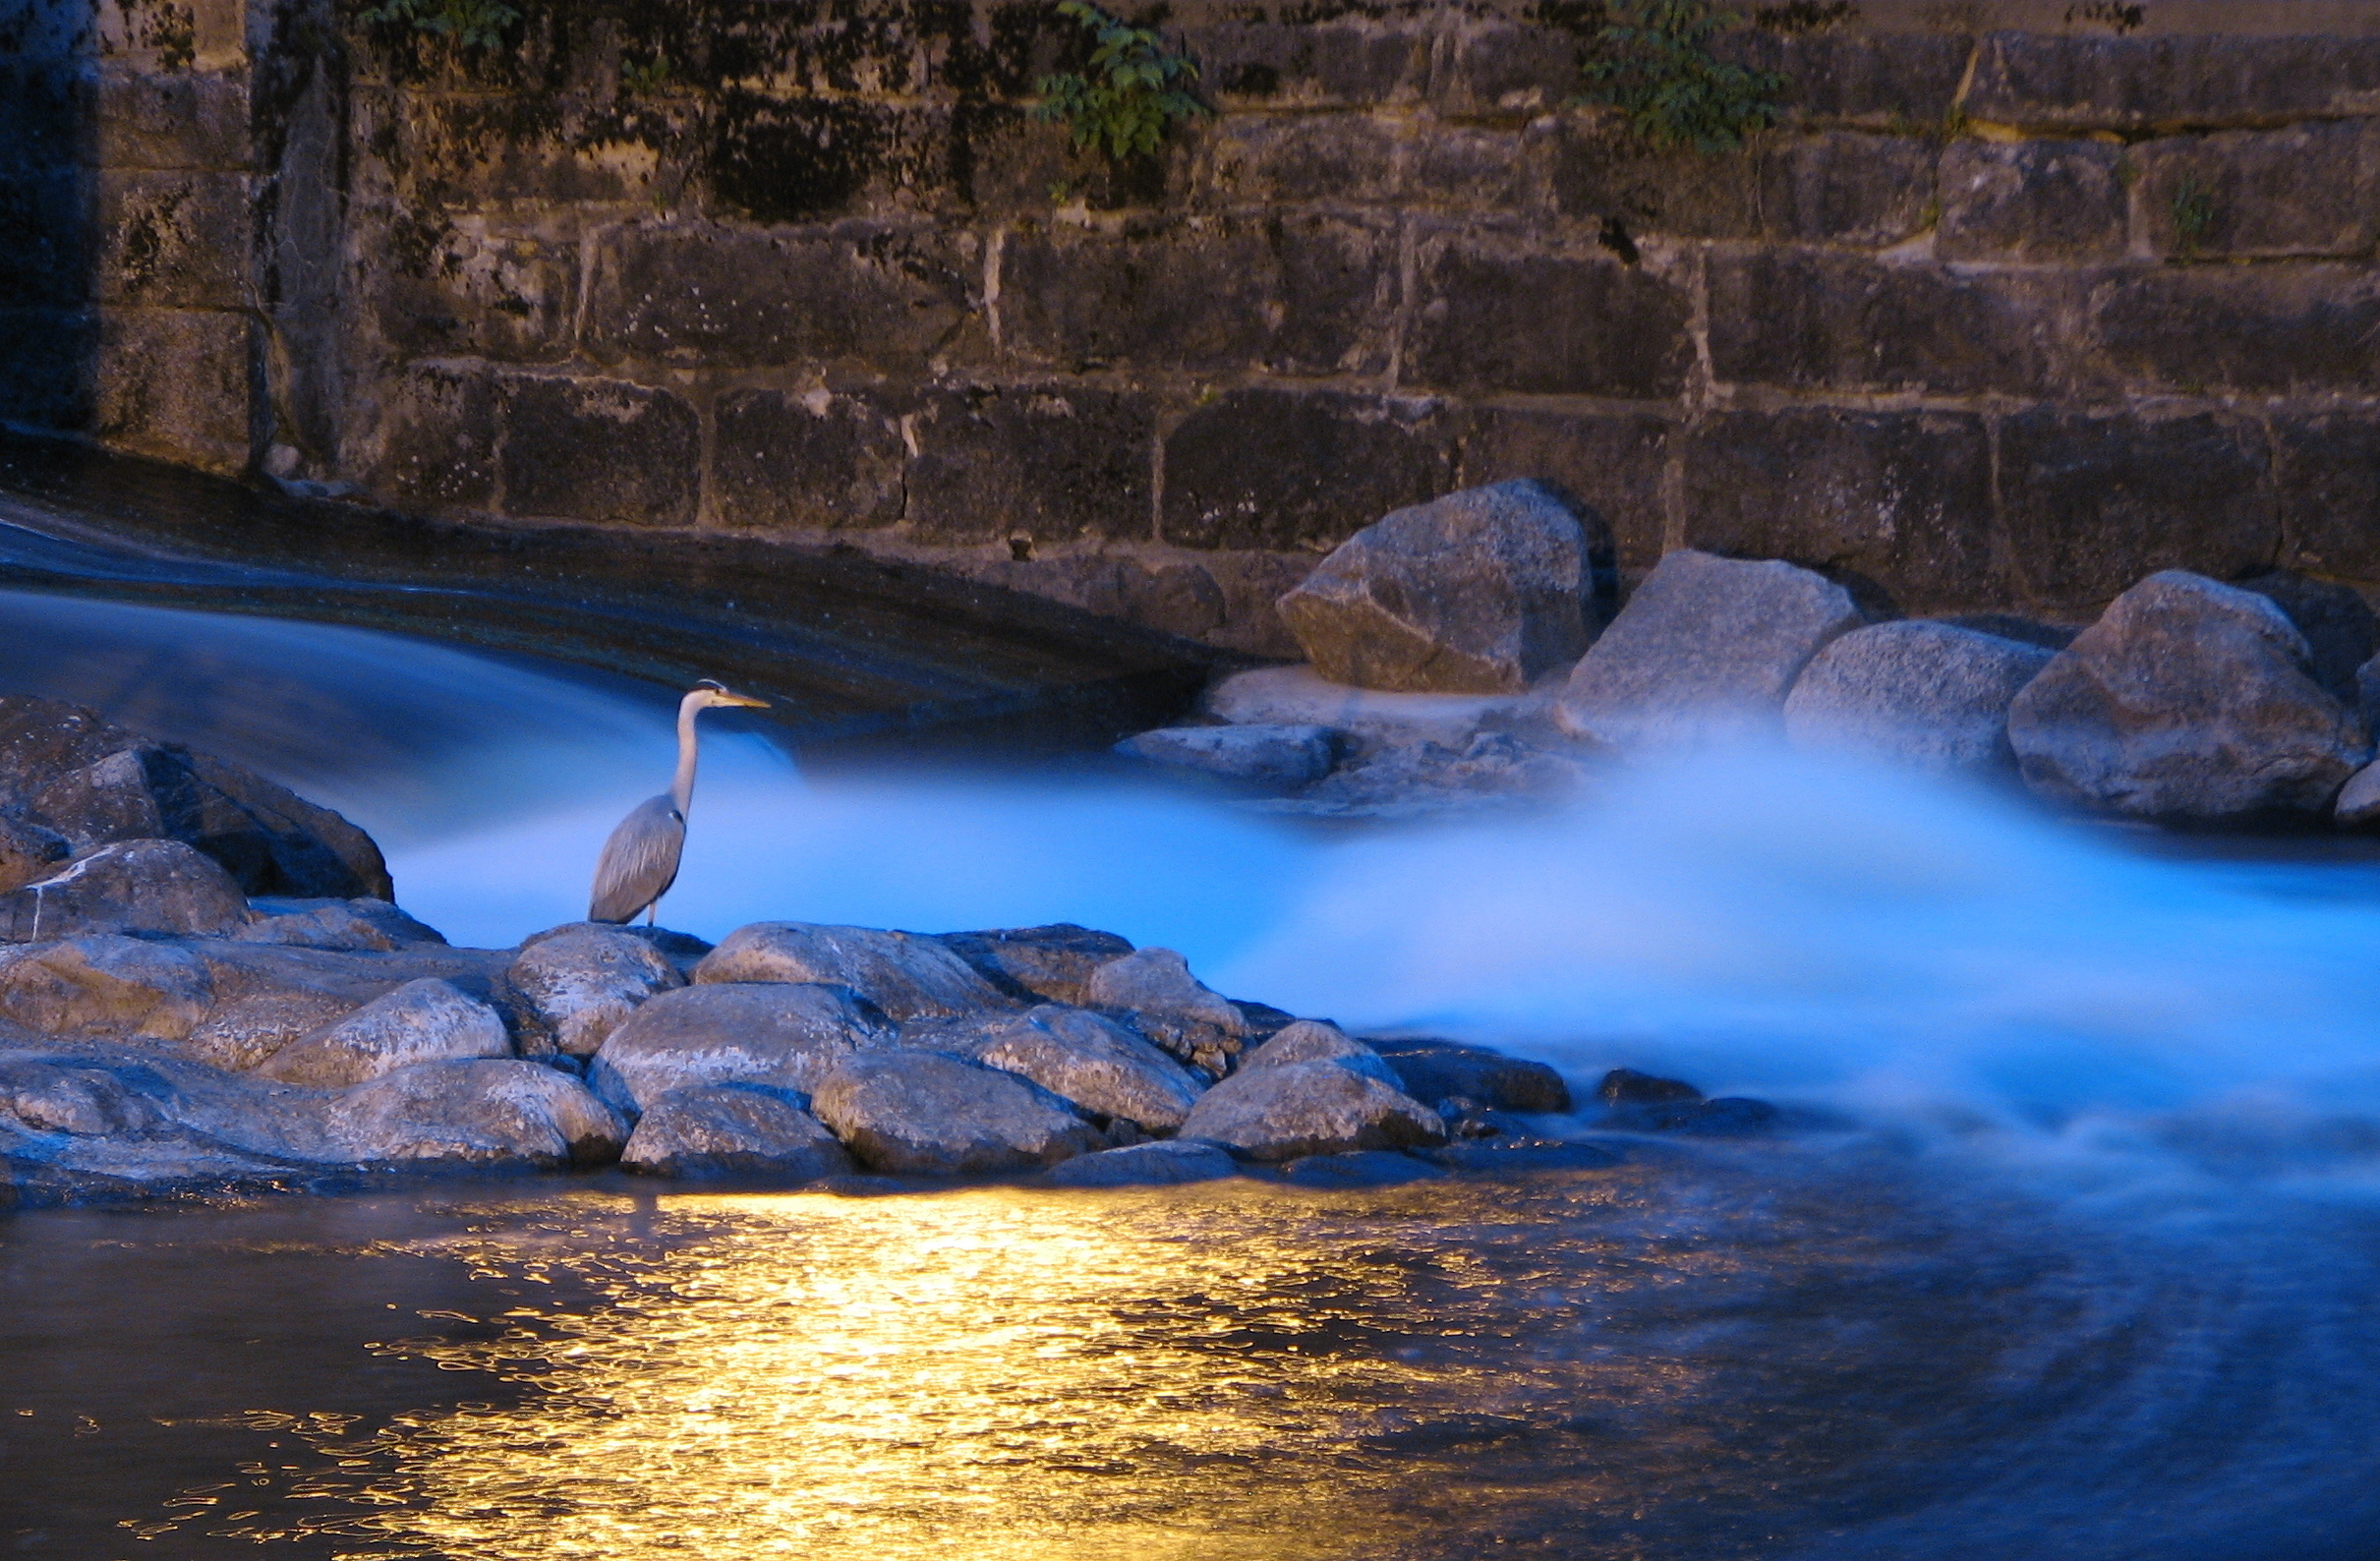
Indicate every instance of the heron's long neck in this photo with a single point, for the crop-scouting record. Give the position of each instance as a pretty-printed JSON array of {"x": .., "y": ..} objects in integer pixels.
[{"x": 681, "y": 790}]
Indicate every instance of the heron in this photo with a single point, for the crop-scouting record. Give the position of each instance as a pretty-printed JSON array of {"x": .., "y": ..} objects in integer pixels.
[{"x": 640, "y": 861}]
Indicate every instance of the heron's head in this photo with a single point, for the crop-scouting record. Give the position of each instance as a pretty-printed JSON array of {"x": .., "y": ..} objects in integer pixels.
[{"x": 708, "y": 694}]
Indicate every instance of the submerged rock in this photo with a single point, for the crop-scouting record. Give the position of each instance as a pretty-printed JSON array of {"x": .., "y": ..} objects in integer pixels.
[
  {"x": 157, "y": 887},
  {"x": 910, "y": 1113},
  {"x": 908, "y": 976},
  {"x": 732, "y": 1129},
  {"x": 1169, "y": 1162},
  {"x": 1433, "y": 1070},
  {"x": 1637, "y": 1102},
  {"x": 2188, "y": 701},
  {"x": 573, "y": 986},
  {"x": 1479, "y": 592},
  {"x": 1928, "y": 695},
  {"x": 1279, "y": 758},
  {"x": 1170, "y": 1006},
  {"x": 422, "y": 1022},
  {"x": 1090, "y": 1061},
  {"x": 780, "y": 1035},
  {"x": 1706, "y": 650},
  {"x": 1038, "y": 965},
  {"x": 1298, "y": 1109},
  {"x": 107, "y": 985},
  {"x": 477, "y": 1111},
  {"x": 1360, "y": 1168}
]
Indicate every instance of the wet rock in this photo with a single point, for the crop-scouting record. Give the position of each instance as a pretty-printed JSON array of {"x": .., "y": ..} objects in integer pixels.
[
  {"x": 780, "y": 1035},
  {"x": 1169, "y": 1162},
  {"x": 2340, "y": 631},
  {"x": 241, "y": 1034},
  {"x": 422, "y": 1022},
  {"x": 2359, "y": 806},
  {"x": 574, "y": 986},
  {"x": 732, "y": 1129},
  {"x": 1278, "y": 758},
  {"x": 1705, "y": 650},
  {"x": 88, "y": 1102},
  {"x": 1482, "y": 590},
  {"x": 1494, "y": 767},
  {"x": 1038, "y": 965},
  {"x": 1170, "y": 1006},
  {"x": 492, "y": 1110},
  {"x": 1299, "y": 1109},
  {"x": 107, "y": 985},
  {"x": 1637, "y": 1102},
  {"x": 911, "y": 1113},
  {"x": 1506, "y": 1153},
  {"x": 28, "y": 851},
  {"x": 1433, "y": 1070},
  {"x": 1928, "y": 695},
  {"x": 1090, "y": 1061},
  {"x": 158, "y": 886},
  {"x": 1313, "y": 1041},
  {"x": 2188, "y": 701},
  {"x": 1366, "y": 719},
  {"x": 1625, "y": 1086},
  {"x": 346, "y": 925},
  {"x": 1358, "y": 1167},
  {"x": 908, "y": 976}
]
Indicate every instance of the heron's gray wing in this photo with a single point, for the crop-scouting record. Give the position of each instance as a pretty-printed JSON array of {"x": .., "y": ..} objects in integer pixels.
[{"x": 639, "y": 862}]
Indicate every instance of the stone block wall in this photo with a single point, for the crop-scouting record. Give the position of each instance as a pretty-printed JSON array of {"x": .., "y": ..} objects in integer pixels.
[{"x": 2022, "y": 300}]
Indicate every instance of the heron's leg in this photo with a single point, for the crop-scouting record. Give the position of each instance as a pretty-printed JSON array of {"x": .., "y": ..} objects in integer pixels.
[{"x": 652, "y": 914}]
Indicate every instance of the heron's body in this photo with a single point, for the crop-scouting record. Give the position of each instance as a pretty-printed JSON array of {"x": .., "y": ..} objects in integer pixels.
[{"x": 640, "y": 860}]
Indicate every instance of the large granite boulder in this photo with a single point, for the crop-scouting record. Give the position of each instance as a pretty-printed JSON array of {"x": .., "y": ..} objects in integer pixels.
[
  {"x": 780, "y": 1035},
  {"x": 1313, "y": 1041},
  {"x": 2359, "y": 806},
  {"x": 1171, "y": 1006},
  {"x": 1433, "y": 1070},
  {"x": 426, "y": 1020},
  {"x": 358, "y": 925},
  {"x": 1277, "y": 758},
  {"x": 1926, "y": 695},
  {"x": 2340, "y": 628},
  {"x": 908, "y": 976},
  {"x": 1705, "y": 650},
  {"x": 1294, "y": 1109},
  {"x": 930, "y": 1114},
  {"x": 1169, "y": 1162},
  {"x": 2191, "y": 702},
  {"x": 490, "y": 1112},
  {"x": 1479, "y": 592},
  {"x": 1089, "y": 1060},
  {"x": 571, "y": 987},
  {"x": 240, "y": 1033},
  {"x": 107, "y": 985},
  {"x": 152, "y": 887},
  {"x": 1038, "y": 965},
  {"x": 732, "y": 1129}
]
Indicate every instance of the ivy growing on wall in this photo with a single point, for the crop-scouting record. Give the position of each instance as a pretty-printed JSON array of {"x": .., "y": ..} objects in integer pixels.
[
  {"x": 1138, "y": 88},
  {"x": 1655, "y": 65},
  {"x": 469, "y": 24}
]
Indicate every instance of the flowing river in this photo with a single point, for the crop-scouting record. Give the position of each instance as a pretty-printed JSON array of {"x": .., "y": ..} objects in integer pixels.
[{"x": 2072, "y": 1256}]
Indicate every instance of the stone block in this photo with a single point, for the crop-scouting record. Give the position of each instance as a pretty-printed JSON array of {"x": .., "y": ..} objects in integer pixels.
[
  {"x": 2327, "y": 469},
  {"x": 2032, "y": 200},
  {"x": 174, "y": 119},
  {"x": 1878, "y": 78},
  {"x": 46, "y": 238},
  {"x": 2093, "y": 503},
  {"x": 2049, "y": 80},
  {"x": 1899, "y": 502},
  {"x": 1339, "y": 63},
  {"x": 437, "y": 446},
  {"x": 1600, "y": 170},
  {"x": 174, "y": 384},
  {"x": 799, "y": 159},
  {"x": 1812, "y": 320},
  {"x": 1051, "y": 465},
  {"x": 474, "y": 149},
  {"x": 1497, "y": 315},
  {"x": 1845, "y": 186},
  {"x": 814, "y": 460},
  {"x": 175, "y": 240},
  {"x": 48, "y": 361},
  {"x": 1290, "y": 294},
  {"x": 861, "y": 292},
  {"x": 1489, "y": 66},
  {"x": 1612, "y": 462},
  {"x": 2300, "y": 190},
  {"x": 44, "y": 112},
  {"x": 2274, "y": 328},
  {"x": 1284, "y": 469},
  {"x": 1265, "y": 159},
  {"x": 599, "y": 449},
  {"x": 506, "y": 296}
]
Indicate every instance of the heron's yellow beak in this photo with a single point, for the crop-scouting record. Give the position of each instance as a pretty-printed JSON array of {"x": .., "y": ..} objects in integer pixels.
[{"x": 745, "y": 701}]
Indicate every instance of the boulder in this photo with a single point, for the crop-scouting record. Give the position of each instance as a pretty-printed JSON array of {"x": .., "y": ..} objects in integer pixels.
[
  {"x": 1313, "y": 1041},
  {"x": 1090, "y": 1061},
  {"x": 573, "y": 987},
  {"x": 1927, "y": 695},
  {"x": 681, "y": 949},
  {"x": 1705, "y": 650},
  {"x": 908, "y": 976},
  {"x": 1625, "y": 1086},
  {"x": 28, "y": 851},
  {"x": 1494, "y": 768},
  {"x": 157, "y": 887},
  {"x": 1366, "y": 719},
  {"x": 2189, "y": 702},
  {"x": 1038, "y": 965},
  {"x": 1170, "y": 1006},
  {"x": 1433, "y": 1070},
  {"x": 1479, "y": 592},
  {"x": 1301, "y": 1108},
  {"x": 779, "y": 1035},
  {"x": 1276, "y": 758},
  {"x": 107, "y": 985},
  {"x": 44, "y": 1097},
  {"x": 422, "y": 1022},
  {"x": 1169, "y": 1162},
  {"x": 1635, "y": 1102},
  {"x": 2340, "y": 631},
  {"x": 931, "y": 1113},
  {"x": 495, "y": 1110},
  {"x": 241, "y": 1034},
  {"x": 2359, "y": 806},
  {"x": 346, "y": 925},
  {"x": 732, "y": 1129}
]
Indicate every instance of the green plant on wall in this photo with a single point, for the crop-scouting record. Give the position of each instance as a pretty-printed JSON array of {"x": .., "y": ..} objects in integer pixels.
[
  {"x": 1136, "y": 91},
  {"x": 643, "y": 80},
  {"x": 470, "y": 23},
  {"x": 1655, "y": 65}
]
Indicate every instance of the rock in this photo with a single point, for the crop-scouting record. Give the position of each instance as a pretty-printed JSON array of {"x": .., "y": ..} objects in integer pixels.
[
  {"x": 362, "y": 923},
  {"x": 1170, "y": 1006},
  {"x": 1480, "y": 591},
  {"x": 573, "y": 986},
  {"x": 87, "y": 1102},
  {"x": 1313, "y": 1041},
  {"x": 2188, "y": 701},
  {"x": 1278, "y": 758},
  {"x": 2014, "y": 626},
  {"x": 241, "y": 1034},
  {"x": 1038, "y": 965},
  {"x": 28, "y": 851},
  {"x": 107, "y": 985},
  {"x": 929, "y": 1114},
  {"x": 681, "y": 949},
  {"x": 780, "y": 1035},
  {"x": 1433, "y": 1070},
  {"x": 1366, "y": 719},
  {"x": 1358, "y": 1167},
  {"x": 422, "y": 1022},
  {"x": 1169, "y": 1162},
  {"x": 161, "y": 886},
  {"x": 1643, "y": 1103},
  {"x": 1299, "y": 1109},
  {"x": 1926, "y": 695},
  {"x": 732, "y": 1129},
  {"x": 1495, "y": 767},
  {"x": 1706, "y": 650},
  {"x": 2358, "y": 804},
  {"x": 2340, "y": 631},
  {"x": 1625, "y": 1086},
  {"x": 1092, "y": 1061},
  {"x": 477, "y": 1111},
  {"x": 908, "y": 976}
]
